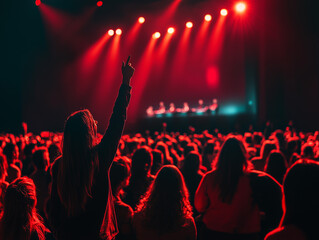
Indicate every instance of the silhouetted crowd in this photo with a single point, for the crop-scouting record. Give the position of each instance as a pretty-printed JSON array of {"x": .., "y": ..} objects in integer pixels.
[
  {"x": 176, "y": 185},
  {"x": 83, "y": 185}
]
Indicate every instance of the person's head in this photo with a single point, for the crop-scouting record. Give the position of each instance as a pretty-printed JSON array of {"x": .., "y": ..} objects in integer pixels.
[
  {"x": 120, "y": 174},
  {"x": 28, "y": 150},
  {"x": 19, "y": 211},
  {"x": 142, "y": 162},
  {"x": 158, "y": 160},
  {"x": 41, "y": 158},
  {"x": 164, "y": 149},
  {"x": 3, "y": 167},
  {"x": 54, "y": 151},
  {"x": 276, "y": 165},
  {"x": 11, "y": 151},
  {"x": 166, "y": 202},
  {"x": 192, "y": 163},
  {"x": 307, "y": 152},
  {"x": 301, "y": 196},
  {"x": 189, "y": 148},
  {"x": 230, "y": 164},
  {"x": 76, "y": 168},
  {"x": 266, "y": 148}
]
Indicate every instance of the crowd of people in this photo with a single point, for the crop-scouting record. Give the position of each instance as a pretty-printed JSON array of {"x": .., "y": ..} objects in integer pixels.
[{"x": 80, "y": 184}]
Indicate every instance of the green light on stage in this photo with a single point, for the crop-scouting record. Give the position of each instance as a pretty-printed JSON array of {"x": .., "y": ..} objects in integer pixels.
[{"x": 250, "y": 102}]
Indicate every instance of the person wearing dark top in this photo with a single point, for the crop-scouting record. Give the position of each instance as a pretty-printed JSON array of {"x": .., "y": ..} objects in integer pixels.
[
  {"x": 192, "y": 175},
  {"x": 120, "y": 174},
  {"x": 20, "y": 219},
  {"x": 301, "y": 196},
  {"x": 141, "y": 177},
  {"x": 80, "y": 205},
  {"x": 41, "y": 177}
]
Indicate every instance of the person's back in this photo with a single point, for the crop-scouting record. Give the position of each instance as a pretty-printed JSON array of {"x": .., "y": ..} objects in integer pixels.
[
  {"x": 80, "y": 204},
  {"x": 164, "y": 213},
  {"x": 240, "y": 216},
  {"x": 141, "y": 178},
  {"x": 301, "y": 196}
]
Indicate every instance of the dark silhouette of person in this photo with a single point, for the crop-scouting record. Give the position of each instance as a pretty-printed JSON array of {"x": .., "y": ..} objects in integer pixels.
[
  {"x": 120, "y": 174},
  {"x": 20, "y": 219},
  {"x": 192, "y": 174},
  {"x": 227, "y": 197},
  {"x": 301, "y": 197},
  {"x": 141, "y": 177},
  {"x": 81, "y": 204},
  {"x": 276, "y": 165},
  {"x": 165, "y": 212}
]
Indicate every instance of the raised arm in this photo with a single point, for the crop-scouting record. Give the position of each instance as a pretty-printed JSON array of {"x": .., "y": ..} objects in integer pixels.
[
  {"x": 109, "y": 143},
  {"x": 201, "y": 200}
]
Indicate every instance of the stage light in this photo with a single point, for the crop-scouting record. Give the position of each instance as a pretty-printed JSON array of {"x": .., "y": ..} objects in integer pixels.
[
  {"x": 37, "y": 2},
  {"x": 99, "y": 3},
  {"x": 118, "y": 31},
  {"x": 111, "y": 32},
  {"x": 240, "y": 7},
  {"x": 141, "y": 20},
  {"x": 189, "y": 24},
  {"x": 156, "y": 35},
  {"x": 223, "y": 12},
  {"x": 171, "y": 30},
  {"x": 208, "y": 17}
]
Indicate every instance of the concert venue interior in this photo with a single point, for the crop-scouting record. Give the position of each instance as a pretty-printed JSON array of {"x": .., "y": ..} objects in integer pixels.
[
  {"x": 260, "y": 62},
  {"x": 159, "y": 119}
]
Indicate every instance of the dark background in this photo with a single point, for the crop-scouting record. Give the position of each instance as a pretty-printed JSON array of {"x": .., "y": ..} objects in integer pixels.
[{"x": 274, "y": 61}]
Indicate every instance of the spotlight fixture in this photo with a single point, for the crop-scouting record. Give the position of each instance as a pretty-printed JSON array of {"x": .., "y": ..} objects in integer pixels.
[
  {"x": 171, "y": 30},
  {"x": 141, "y": 20},
  {"x": 156, "y": 35},
  {"x": 189, "y": 24},
  {"x": 240, "y": 7},
  {"x": 223, "y": 12},
  {"x": 118, "y": 31},
  {"x": 208, "y": 17},
  {"x": 111, "y": 32}
]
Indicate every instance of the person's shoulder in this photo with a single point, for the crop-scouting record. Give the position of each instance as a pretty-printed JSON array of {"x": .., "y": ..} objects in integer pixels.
[
  {"x": 287, "y": 232},
  {"x": 263, "y": 176},
  {"x": 55, "y": 166}
]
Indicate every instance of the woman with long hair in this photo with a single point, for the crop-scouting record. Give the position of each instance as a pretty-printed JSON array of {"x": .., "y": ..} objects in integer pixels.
[
  {"x": 20, "y": 220},
  {"x": 225, "y": 196},
  {"x": 165, "y": 211},
  {"x": 81, "y": 200}
]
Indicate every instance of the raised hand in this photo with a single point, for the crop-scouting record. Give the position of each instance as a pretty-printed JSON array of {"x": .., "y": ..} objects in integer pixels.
[{"x": 127, "y": 71}]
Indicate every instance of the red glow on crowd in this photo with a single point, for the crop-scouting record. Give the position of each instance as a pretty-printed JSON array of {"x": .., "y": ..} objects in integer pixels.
[
  {"x": 99, "y": 3},
  {"x": 141, "y": 20},
  {"x": 240, "y": 7}
]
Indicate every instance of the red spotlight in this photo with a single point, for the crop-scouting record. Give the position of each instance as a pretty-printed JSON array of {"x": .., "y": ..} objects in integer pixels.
[
  {"x": 118, "y": 31},
  {"x": 141, "y": 20},
  {"x": 240, "y": 7},
  {"x": 111, "y": 32},
  {"x": 156, "y": 35},
  {"x": 99, "y": 3},
  {"x": 37, "y": 2},
  {"x": 171, "y": 30},
  {"x": 223, "y": 12},
  {"x": 189, "y": 24},
  {"x": 208, "y": 17}
]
